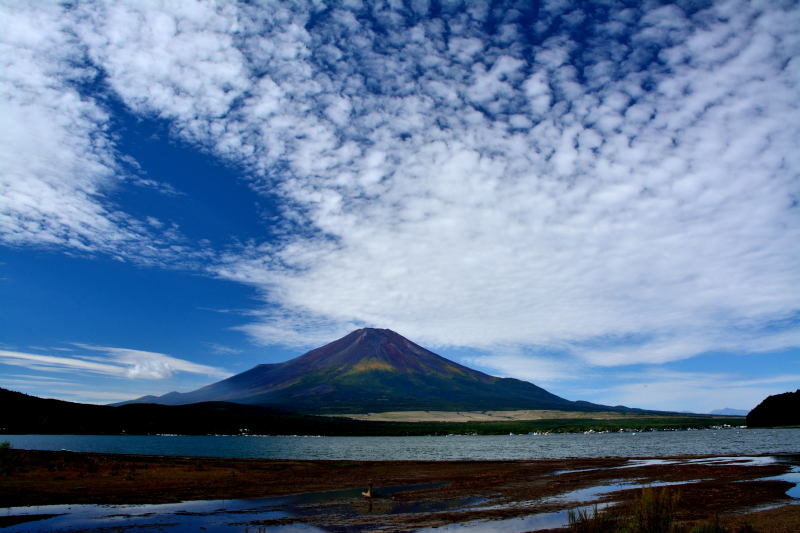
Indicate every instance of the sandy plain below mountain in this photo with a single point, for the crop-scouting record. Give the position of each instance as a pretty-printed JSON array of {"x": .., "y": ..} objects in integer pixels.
[{"x": 495, "y": 416}]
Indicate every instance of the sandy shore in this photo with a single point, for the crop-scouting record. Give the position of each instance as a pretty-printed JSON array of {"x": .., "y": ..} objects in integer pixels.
[{"x": 496, "y": 490}]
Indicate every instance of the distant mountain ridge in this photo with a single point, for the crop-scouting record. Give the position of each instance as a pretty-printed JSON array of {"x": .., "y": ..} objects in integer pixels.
[{"x": 373, "y": 370}]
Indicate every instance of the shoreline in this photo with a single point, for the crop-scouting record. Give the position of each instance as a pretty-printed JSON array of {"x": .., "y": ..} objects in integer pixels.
[{"x": 707, "y": 484}]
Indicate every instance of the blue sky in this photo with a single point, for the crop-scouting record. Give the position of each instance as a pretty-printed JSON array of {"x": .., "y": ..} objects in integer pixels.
[{"x": 599, "y": 197}]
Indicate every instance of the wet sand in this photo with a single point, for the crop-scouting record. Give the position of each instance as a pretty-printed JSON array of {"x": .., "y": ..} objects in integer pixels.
[{"x": 441, "y": 492}]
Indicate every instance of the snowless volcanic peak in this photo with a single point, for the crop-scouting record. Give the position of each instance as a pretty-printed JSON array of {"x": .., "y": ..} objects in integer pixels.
[
  {"x": 380, "y": 349},
  {"x": 373, "y": 370}
]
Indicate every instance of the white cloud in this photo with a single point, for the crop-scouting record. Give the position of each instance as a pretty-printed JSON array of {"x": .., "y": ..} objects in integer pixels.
[
  {"x": 152, "y": 365},
  {"x": 696, "y": 392},
  {"x": 664, "y": 213},
  {"x": 118, "y": 362},
  {"x": 55, "y": 157},
  {"x": 537, "y": 369},
  {"x": 58, "y": 363},
  {"x": 170, "y": 59},
  {"x": 12, "y": 380},
  {"x": 221, "y": 349},
  {"x": 59, "y": 165},
  {"x": 685, "y": 343},
  {"x": 652, "y": 197}
]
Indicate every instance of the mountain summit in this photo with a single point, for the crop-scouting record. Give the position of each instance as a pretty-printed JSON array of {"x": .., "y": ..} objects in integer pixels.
[{"x": 373, "y": 370}]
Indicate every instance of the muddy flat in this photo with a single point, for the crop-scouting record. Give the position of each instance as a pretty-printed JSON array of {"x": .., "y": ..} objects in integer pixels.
[{"x": 406, "y": 495}]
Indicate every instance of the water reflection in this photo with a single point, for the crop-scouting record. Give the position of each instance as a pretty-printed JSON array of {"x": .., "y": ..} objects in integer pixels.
[
  {"x": 533, "y": 522},
  {"x": 282, "y": 513},
  {"x": 175, "y": 517}
]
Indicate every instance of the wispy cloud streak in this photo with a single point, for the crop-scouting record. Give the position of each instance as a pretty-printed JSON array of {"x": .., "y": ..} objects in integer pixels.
[{"x": 118, "y": 362}]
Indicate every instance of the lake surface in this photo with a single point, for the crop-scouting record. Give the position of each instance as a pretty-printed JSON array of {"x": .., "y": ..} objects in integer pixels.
[{"x": 735, "y": 441}]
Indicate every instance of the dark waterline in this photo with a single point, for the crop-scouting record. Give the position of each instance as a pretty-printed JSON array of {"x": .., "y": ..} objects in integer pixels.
[{"x": 734, "y": 441}]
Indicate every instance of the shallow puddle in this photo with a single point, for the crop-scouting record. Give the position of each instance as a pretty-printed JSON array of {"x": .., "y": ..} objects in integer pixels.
[
  {"x": 178, "y": 517},
  {"x": 220, "y": 515},
  {"x": 722, "y": 461},
  {"x": 550, "y": 520},
  {"x": 792, "y": 476}
]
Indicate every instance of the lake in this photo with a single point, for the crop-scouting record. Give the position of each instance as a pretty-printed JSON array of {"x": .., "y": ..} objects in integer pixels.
[{"x": 734, "y": 441}]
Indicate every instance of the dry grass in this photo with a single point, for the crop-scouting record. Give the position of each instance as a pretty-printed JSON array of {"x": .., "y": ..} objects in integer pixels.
[
  {"x": 655, "y": 511},
  {"x": 490, "y": 416}
]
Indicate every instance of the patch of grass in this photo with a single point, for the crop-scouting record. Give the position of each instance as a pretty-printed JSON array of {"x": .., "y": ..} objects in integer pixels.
[
  {"x": 592, "y": 521},
  {"x": 654, "y": 511}
]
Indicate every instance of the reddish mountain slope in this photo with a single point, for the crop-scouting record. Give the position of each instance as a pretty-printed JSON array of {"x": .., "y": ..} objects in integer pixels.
[{"x": 373, "y": 370}]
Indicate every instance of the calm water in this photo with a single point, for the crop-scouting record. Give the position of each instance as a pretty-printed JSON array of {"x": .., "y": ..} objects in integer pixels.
[{"x": 649, "y": 444}]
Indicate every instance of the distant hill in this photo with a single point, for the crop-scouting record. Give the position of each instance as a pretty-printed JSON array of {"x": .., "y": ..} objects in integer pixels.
[
  {"x": 21, "y": 413},
  {"x": 374, "y": 370},
  {"x": 729, "y": 412},
  {"x": 777, "y": 410}
]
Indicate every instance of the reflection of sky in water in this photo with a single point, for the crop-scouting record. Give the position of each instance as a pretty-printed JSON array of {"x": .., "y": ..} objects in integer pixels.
[
  {"x": 792, "y": 476},
  {"x": 177, "y": 517},
  {"x": 228, "y": 515},
  {"x": 523, "y": 523},
  {"x": 551, "y": 520},
  {"x": 733, "y": 460}
]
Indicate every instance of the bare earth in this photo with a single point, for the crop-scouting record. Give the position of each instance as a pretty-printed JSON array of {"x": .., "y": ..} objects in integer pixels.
[
  {"x": 435, "y": 493},
  {"x": 489, "y": 416}
]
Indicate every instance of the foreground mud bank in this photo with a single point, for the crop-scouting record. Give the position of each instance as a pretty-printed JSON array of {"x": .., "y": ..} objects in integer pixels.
[{"x": 407, "y": 495}]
